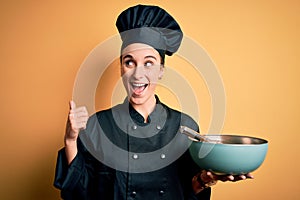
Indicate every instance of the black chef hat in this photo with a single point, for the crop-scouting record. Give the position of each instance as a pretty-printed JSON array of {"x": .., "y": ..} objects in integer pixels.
[{"x": 150, "y": 25}]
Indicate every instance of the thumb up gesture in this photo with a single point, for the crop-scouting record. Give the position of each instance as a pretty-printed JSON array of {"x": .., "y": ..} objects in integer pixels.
[{"x": 77, "y": 120}]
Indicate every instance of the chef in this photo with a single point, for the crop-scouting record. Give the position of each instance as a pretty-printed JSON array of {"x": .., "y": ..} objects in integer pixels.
[{"x": 134, "y": 150}]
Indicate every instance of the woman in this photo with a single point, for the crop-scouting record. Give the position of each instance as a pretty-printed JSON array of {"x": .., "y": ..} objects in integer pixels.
[{"x": 134, "y": 150}]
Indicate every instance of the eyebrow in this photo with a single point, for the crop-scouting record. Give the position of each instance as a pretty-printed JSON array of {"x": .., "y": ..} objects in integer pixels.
[
  {"x": 151, "y": 57},
  {"x": 130, "y": 56},
  {"x": 127, "y": 56}
]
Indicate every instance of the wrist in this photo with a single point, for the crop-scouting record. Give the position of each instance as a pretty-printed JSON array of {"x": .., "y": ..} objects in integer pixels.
[
  {"x": 70, "y": 141},
  {"x": 202, "y": 184},
  {"x": 70, "y": 149},
  {"x": 70, "y": 144},
  {"x": 196, "y": 186},
  {"x": 204, "y": 181}
]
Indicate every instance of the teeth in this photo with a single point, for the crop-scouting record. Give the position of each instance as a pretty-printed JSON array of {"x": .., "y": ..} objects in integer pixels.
[{"x": 138, "y": 84}]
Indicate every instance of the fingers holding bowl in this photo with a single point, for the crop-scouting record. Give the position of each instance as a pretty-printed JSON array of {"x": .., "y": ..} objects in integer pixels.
[{"x": 234, "y": 178}]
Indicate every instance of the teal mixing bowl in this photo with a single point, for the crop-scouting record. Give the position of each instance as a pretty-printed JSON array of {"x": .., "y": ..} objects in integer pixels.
[{"x": 229, "y": 154}]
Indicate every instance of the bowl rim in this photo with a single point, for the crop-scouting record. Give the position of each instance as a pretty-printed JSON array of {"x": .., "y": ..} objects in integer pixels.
[{"x": 261, "y": 140}]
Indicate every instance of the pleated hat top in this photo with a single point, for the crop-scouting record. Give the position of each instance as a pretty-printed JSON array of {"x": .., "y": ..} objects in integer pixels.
[{"x": 150, "y": 25}]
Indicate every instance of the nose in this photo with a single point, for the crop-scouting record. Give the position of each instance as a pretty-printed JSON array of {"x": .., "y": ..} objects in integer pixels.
[{"x": 139, "y": 72}]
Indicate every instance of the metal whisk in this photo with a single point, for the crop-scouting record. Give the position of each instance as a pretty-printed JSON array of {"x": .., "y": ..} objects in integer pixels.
[{"x": 196, "y": 136}]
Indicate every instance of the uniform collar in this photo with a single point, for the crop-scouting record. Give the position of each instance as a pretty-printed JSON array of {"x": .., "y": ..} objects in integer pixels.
[{"x": 137, "y": 117}]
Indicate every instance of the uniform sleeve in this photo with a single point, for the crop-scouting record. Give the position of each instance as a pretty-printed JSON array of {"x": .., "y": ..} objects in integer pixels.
[
  {"x": 188, "y": 169},
  {"x": 85, "y": 178},
  {"x": 71, "y": 179},
  {"x": 203, "y": 195},
  {"x": 195, "y": 169}
]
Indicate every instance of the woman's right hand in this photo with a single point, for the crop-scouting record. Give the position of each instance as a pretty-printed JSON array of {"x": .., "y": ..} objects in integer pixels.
[{"x": 77, "y": 120}]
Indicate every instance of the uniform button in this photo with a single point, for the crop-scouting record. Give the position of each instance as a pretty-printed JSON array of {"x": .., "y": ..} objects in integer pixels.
[
  {"x": 134, "y": 127},
  {"x": 135, "y": 156},
  {"x": 158, "y": 127},
  {"x": 161, "y": 192},
  {"x": 163, "y": 156},
  {"x": 133, "y": 193}
]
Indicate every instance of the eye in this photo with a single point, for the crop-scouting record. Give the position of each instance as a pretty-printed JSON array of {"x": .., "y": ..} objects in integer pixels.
[
  {"x": 148, "y": 64},
  {"x": 129, "y": 63}
]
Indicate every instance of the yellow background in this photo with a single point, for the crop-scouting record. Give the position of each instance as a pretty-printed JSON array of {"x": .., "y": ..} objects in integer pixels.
[{"x": 255, "y": 44}]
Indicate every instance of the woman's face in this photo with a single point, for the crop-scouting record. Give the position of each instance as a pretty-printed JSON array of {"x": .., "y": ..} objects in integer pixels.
[{"x": 140, "y": 69}]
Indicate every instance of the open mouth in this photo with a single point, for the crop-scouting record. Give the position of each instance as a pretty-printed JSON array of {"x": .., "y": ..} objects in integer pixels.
[{"x": 138, "y": 88}]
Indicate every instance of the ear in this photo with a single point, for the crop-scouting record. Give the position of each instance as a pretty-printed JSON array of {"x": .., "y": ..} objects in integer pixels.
[
  {"x": 122, "y": 72},
  {"x": 161, "y": 72}
]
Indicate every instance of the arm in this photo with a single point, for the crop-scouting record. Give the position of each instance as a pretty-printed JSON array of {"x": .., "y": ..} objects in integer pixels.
[
  {"x": 79, "y": 175},
  {"x": 192, "y": 189},
  {"x": 71, "y": 167},
  {"x": 206, "y": 179},
  {"x": 71, "y": 178},
  {"x": 77, "y": 120}
]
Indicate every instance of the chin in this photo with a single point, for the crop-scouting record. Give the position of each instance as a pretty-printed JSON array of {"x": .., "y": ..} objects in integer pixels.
[
  {"x": 137, "y": 100},
  {"x": 143, "y": 100}
]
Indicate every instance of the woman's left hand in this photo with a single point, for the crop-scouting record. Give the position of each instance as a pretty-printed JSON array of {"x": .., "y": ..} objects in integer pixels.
[
  {"x": 206, "y": 179},
  {"x": 233, "y": 178}
]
